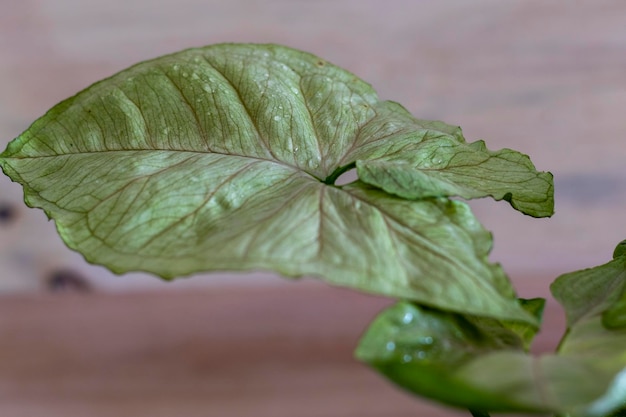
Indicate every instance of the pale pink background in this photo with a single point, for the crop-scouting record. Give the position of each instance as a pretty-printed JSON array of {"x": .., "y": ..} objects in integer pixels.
[
  {"x": 545, "y": 77},
  {"x": 542, "y": 77}
]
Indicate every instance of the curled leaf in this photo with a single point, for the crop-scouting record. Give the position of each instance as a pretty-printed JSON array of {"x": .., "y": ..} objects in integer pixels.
[
  {"x": 469, "y": 363},
  {"x": 479, "y": 363},
  {"x": 427, "y": 159}
]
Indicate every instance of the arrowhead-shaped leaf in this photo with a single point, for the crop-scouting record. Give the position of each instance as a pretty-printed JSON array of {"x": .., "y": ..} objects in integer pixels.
[
  {"x": 224, "y": 158},
  {"x": 479, "y": 363}
]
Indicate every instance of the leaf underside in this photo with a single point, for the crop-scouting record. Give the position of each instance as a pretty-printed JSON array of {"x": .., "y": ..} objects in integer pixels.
[{"x": 223, "y": 158}]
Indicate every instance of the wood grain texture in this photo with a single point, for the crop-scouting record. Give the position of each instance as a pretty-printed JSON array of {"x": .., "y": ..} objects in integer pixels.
[
  {"x": 542, "y": 76},
  {"x": 279, "y": 352}
]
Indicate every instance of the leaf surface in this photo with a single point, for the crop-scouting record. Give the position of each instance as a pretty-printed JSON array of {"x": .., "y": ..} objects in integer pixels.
[
  {"x": 224, "y": 158},
  {"x": 593, "y": 291},
  {"x": 480, "y": 364},
  {"x": 441, "y": 163}
]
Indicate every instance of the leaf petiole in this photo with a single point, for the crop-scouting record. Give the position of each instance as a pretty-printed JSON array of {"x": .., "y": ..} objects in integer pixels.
[{"x": 330, "y": 180}]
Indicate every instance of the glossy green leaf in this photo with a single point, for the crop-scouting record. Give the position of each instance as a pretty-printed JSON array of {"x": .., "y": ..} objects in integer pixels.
[
  {"x": 224, "y": 158},
  {"x": 423, "y": 350},
  {"x": 479, "y": 364},
  {"x": 448, "y": 358}
]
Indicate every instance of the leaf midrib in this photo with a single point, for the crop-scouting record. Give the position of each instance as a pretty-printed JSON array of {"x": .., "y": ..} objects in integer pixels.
[{"x": 432, "y": 249}]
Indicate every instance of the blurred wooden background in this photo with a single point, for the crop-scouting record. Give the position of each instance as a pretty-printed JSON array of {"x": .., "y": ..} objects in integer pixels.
[
  {"x": 545, "y": 77},
  {"x": 268, "y": 352}
]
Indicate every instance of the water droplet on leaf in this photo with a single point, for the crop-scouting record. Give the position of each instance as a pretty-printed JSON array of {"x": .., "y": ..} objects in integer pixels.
[
  {"x": 407, "y": 318},
  {"x": 426, "y": 340},
  {"x": 436, "y": 160}
]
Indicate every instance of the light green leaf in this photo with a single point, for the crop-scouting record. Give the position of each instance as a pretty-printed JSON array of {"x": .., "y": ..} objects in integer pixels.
[
  {"x": 473, "y": 363},
  {"x": 522, "y": 331},
  {"x": 592, "y": 291},
  {"x": 224, "y": 158},
  {"x": 454, "y": 359},
  {"x": 441, "y": 163},
  {"x": 424, "y": 350},
  {"x": 615, "y": 315},
  {"x": 603, "y": 351}
]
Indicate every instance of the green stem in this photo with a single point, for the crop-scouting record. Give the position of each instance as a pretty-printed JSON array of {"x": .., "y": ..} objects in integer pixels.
[
  {"x": 479, "y": 413},
  {"x": 337, "y": 173}
]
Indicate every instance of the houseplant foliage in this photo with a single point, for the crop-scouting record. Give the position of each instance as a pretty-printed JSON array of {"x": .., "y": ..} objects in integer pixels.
[
  {"x": 227, "y": 158},
  {"x": 482, "y": 363}
]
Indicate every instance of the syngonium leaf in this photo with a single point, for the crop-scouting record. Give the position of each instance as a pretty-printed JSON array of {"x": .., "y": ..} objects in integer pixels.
[
  {"x": 224, "y": 158},
  {"x": 442, "y": 163},
  {"x": 479, "y": 363},
  {"x": 592, "y": 291}
]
